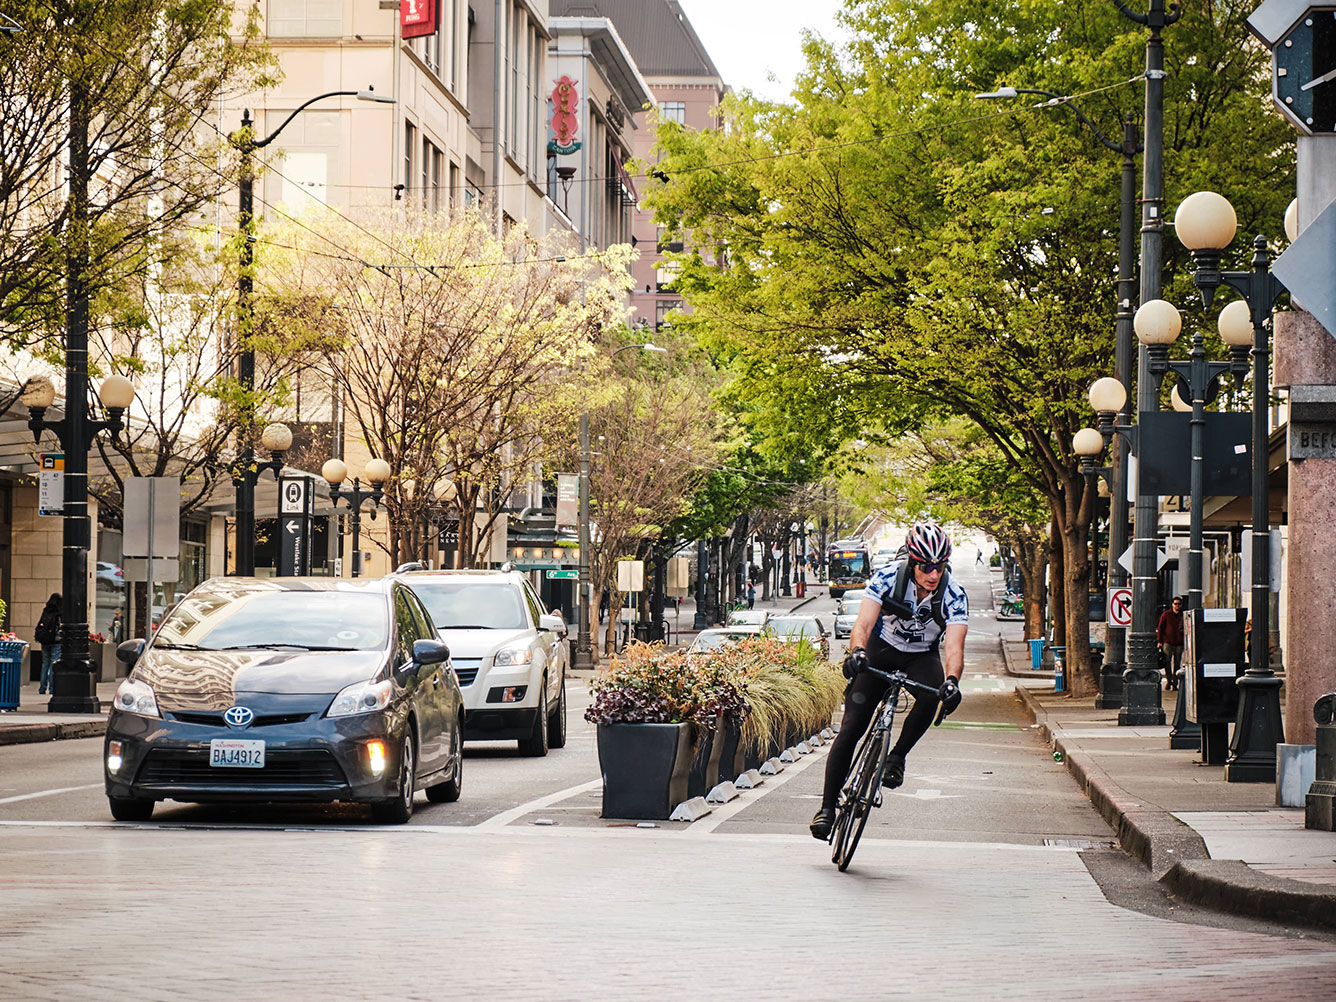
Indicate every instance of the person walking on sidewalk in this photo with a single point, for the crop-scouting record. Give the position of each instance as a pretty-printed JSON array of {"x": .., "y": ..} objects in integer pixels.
[
  {"x": 47, "y": 633},
  {"x": 913, "y": 619},
  {"x": 1169, "y": 635},
  {"x": 751, "y": 594}
]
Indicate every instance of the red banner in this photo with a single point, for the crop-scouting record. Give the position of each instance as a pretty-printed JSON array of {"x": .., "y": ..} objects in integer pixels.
[{"x": 417, "y": 18}]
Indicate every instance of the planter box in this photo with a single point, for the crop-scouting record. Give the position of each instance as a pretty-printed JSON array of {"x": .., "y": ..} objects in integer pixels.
[
  {"x": 732, "y": 761},
  {"x": 645, "y": 769},
  {"x": 704, "y": 774}
]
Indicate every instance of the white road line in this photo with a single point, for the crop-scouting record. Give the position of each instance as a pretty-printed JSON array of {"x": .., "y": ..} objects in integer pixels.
[
  {"x": 50, "y": 793},
  {"x": 515, "y": 813}
]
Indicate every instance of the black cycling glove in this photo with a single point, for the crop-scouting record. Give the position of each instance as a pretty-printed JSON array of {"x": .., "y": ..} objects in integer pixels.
[
  {"x": 949, "y": 694},
  {"x": 854, "y": 662}
]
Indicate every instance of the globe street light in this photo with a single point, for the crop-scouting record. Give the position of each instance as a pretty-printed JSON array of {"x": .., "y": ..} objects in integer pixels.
[
  {"x": 1206, "y": 223},
  {"x": 246, "y": 143},
  {"x": 73, "y": 680},
  {"x": 376, "y": 471}
]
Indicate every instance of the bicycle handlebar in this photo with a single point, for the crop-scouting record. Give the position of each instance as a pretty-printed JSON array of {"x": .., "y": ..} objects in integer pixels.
[{"x": 905, "y": 682}]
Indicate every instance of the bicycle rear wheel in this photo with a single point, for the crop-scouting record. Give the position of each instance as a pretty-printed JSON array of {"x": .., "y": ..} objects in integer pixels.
[{"x": 858, "y": 798}]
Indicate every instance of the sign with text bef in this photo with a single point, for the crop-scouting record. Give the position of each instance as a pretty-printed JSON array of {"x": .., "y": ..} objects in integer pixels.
[
  {"x": 568, "y": 499},
  {"x": 51, "y": 484},
  {"x": 295, "y": 501}
]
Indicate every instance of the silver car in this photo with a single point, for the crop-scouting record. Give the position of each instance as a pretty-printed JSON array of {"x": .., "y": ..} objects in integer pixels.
[{"x": 846, "y": 613}]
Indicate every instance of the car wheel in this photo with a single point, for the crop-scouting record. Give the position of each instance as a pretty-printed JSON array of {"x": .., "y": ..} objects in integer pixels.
[
  {"x": 556, "y": 724},
  {"x": 535, "y": 745},
  {"x": 400, "y": 809},
  {"x": 449, "y": 791},
  {"x": 130, "y": 808}
]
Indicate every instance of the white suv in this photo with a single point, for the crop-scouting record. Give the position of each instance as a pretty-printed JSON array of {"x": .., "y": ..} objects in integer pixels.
[{"x": 509, "y": 655}]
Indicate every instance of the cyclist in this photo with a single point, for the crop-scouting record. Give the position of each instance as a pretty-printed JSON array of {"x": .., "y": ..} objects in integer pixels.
[{"x": 913, "y": 619}]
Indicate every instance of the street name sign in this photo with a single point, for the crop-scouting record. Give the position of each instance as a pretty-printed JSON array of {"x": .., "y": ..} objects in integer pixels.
[{"x": 563, "y": 575}]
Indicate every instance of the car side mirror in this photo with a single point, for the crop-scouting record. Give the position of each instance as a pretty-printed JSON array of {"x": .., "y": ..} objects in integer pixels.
[
  {"x": 430, "y": 652},
  {"x": 553, "y": 623},
  {"x": 128, "y": 651}
]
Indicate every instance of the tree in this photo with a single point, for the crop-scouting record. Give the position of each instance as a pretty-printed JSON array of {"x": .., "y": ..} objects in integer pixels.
[
  {"x": 446, "y": 345},
  {"x": 904, "y": 261}
]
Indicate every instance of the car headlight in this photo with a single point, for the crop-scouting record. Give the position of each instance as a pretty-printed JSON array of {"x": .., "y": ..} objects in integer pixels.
[
  {"x": 513, "y": 656},
  {"x": 361, "y": 697},
  {"x": 136, "y": 697}
]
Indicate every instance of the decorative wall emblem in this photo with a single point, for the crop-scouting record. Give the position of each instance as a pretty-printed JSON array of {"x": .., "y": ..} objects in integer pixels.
[{"x": 565, "y": 116}]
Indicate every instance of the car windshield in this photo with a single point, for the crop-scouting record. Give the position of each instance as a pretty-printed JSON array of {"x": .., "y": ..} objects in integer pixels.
[
  {"x": 795, "y": 627},
  {"x": 716, "y": 641},
  {"x": 320, "y": 620},
  {"x": 746, "y": 617},
  {"x": 850, "y": 602},
  {"x": 473, "y": 605}
]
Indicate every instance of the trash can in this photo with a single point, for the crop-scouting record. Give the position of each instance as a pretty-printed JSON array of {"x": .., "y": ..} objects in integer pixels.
[
  {"x": 1036, "y": 653},
  {"x": 11, "y": 673},
  {"x": 1059, "y": 667}
]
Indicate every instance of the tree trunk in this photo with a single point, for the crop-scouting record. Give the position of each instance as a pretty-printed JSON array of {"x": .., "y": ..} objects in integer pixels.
[
  {"x": 1057, "y": 586},
  {"x": 1033, "y": 556},
  {"x": 1074, "y": 513}
]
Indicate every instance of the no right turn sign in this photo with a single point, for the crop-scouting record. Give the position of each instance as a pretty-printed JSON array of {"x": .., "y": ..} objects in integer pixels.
[{"x": 1120, "y": 607}]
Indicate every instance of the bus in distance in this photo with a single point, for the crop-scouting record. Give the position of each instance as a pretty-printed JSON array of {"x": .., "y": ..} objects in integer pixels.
[{"x": 849, "y": 566}]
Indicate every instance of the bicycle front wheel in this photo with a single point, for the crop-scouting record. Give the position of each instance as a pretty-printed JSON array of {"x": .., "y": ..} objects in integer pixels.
[{"x": 860, "y": 794}]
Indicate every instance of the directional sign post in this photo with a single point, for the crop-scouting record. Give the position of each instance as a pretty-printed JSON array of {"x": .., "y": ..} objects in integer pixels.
[
  {"x": 294, "y": 526},
  {"x": 1120, "y": 607}
]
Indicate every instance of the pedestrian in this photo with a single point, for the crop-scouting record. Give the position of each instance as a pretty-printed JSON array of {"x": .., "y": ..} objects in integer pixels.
[
  {"x": 978, "y": 559},
  {"x": 47, "y": 633},
  {"x": 117, "y": 627},
  {"x": 1169, "y": 635},
  {"x": 751, "y": 594}
]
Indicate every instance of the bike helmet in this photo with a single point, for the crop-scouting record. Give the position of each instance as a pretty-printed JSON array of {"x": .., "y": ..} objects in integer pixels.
[{"x": 927, "y": 543}]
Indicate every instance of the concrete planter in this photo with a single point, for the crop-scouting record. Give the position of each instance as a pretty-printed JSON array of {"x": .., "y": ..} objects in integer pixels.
[
  {"x": 732, "y": 762},
  {"x": 645, "y": 769},
  {"x": 704, "y": 775}
]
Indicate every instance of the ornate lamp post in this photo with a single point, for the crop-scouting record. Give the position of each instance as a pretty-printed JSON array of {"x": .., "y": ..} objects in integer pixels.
[
  {"x": 73, "y": 683},
  {"x": 246, "y": 143},
  {"x": 1206, "y": 224},
  {"x": 376, "y": 471},
  {"x": 246, "y": 470}
]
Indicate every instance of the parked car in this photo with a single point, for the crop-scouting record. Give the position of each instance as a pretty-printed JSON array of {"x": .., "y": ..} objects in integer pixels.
[
  {"x": 748, "y": 617},
  {"x": 846, "y": 612},
  {"x": 510, "y": 656},
  {"x": 287, "y": 689},
  {"x": 708, "y": 641},
  {"x": 796, "y": 629}
]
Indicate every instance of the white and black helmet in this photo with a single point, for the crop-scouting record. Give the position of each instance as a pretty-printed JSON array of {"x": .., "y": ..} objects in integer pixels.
[{"x": 927, "y": 543}]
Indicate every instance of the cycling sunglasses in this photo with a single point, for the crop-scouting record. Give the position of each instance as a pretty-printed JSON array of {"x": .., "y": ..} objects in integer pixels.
[{"x": 931, "y": 568}]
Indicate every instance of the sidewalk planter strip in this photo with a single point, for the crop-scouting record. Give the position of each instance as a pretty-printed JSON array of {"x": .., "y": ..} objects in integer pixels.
[{"x": 645, "y": 769}]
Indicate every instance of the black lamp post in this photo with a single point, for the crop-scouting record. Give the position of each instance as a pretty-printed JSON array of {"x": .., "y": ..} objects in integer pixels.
[
  {"x": 246, "y": 143},
  {"x": 73, "y": 682},
  {"x": 1206, "y": 223},
  {"x": 246, "y": 470},
  {"x": 584, "y": 651},
  {"x": 376, "y": 471}
]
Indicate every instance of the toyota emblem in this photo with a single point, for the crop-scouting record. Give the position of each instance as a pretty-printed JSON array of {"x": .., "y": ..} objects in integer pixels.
[{"x": 239, "y": 716}]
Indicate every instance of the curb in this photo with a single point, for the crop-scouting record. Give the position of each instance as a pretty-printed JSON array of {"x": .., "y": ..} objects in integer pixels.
[
  {"x": 22, "y": 734},
  {"x": 1019, "y": 672},
  {"x": 1177, "y": 856},
  {"x": 1154, "y": 837}
]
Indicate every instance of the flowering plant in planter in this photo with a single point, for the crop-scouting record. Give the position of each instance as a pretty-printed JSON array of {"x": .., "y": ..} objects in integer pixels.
[
  {"x": 647, "y": 684},
  {"x": 96, "y": 638}
]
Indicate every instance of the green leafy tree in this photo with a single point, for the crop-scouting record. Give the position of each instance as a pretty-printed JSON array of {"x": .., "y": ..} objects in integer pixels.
[{"x": 902, "y": 253}]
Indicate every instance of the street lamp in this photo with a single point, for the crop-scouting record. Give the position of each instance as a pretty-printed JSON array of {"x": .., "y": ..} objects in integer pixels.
[
  {"x": 246, "y": 143},
  {"x": 584, "y": 653},
  {"x": 73, "y": 681},
  {"x": 1206, "y": 223},
  {"x": 376, "y": 471},
  {"x": 246, "y": 470},
  {"x": 1115, "y": 649}
]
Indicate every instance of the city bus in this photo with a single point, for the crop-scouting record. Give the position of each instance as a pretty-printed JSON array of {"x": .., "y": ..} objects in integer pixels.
[{"x": 848, "y": 566}]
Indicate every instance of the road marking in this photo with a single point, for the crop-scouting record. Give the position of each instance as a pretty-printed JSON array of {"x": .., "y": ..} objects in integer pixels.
[
  {"x": 928, "y": 795},
  {"x": 515, "y": 813},
  {"x": 50, "y": 793}
]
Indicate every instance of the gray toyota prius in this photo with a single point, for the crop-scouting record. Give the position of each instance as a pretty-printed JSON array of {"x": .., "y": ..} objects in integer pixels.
[{"x": 287, "y": 689}]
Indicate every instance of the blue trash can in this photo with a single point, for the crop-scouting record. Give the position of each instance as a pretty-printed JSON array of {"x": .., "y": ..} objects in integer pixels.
[
  {"x": 1036, "y": 653},
  {"x": 1059, "y": 678},
  {"x": 11, "y": 673}
]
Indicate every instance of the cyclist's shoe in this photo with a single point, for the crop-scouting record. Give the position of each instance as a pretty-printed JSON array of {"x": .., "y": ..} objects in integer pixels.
[
  {"x": 894, "y": 774},
  {"x": 822, "y": 822}
]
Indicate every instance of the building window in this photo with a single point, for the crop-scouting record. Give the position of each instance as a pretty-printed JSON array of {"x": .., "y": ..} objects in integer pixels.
[
  {"x": 453, "y": 193},
  {"x": 437, "y": 158},
  {"x": 311, "y": 155},
  {"x": 305, "y": 18},
  {"x": 512, "y": 132},
  {"x": 410, "y": 151},
  {"x": 673, "y": 111},
  {"x": 453, "y": 44},
  {"x": 661, "y": 310}
]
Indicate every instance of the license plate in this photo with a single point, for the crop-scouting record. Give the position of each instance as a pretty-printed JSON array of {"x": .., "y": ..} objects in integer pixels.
[{"x": 230, "y": 753}]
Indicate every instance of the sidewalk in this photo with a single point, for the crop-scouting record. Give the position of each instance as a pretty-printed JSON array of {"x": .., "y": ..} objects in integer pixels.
[
  {"x": 1222, "y": 845},
  {"x": 31, "y": 722}
]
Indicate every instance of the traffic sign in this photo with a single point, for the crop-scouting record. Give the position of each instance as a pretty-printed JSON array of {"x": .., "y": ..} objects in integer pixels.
[
  {"x": 563, "y": 575},
  {"x": 1125, "y": 559},
  {"x": 1120, "y": 607},
  {"x": 1307, "y": 267}
]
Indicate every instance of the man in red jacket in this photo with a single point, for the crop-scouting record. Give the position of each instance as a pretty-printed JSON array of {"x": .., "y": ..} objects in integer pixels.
[{"x": 1169, "y": 635}]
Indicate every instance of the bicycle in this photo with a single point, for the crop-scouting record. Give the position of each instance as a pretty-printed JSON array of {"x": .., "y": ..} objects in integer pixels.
[{"x": 862, "y": 789}]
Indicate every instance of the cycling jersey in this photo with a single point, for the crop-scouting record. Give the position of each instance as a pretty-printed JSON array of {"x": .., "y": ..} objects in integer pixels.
[{"x": 921, "y": 632}]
